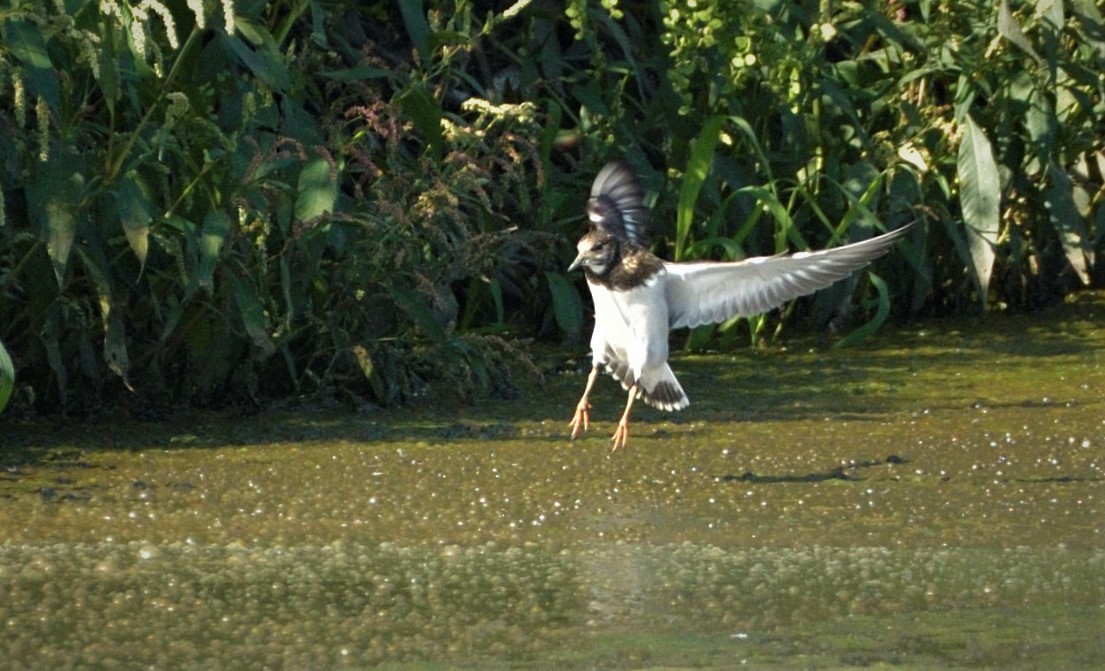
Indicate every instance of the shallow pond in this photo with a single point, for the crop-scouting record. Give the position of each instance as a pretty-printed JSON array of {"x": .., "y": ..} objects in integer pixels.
[{"x": 932, "y": 498}]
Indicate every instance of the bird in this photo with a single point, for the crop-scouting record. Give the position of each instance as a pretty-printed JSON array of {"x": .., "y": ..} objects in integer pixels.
[{"x": 639, "y": 298}]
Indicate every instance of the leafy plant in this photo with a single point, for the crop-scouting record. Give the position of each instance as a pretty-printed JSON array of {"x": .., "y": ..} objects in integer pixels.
[
  {"x": 7, "y": 377},
  {"x": 246, "y": 201},
  {"x": 837, "y": 119},
  {"x": 250, "y": 204}
]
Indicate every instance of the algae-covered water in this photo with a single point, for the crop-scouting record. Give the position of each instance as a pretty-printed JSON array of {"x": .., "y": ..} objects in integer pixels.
[{"x": 930, "y": 499}]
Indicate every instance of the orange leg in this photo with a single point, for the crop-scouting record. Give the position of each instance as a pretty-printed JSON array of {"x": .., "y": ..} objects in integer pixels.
[
  {"x": 582, "y": 418},
  {"x": 621, "y": 434}
]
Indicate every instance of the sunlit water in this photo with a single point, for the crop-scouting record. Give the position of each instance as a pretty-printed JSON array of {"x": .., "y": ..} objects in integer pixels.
[{"x": 931, "y": 499}]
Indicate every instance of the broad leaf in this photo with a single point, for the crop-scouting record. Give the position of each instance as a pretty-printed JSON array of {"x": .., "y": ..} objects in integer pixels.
[
  {"x": 567, "y": 306},
  {"x": 133, "y": 205},
  {"x": 216, "y": 228},
  {"x": 54, "y": 197},
  {"x": 1091, "y": 29},
  {"x": 414, "y": 19},
  {"x": 368, "y": 369},
  {"x": 980, "y": 200},
  {"x": 7, "y": 377},
  {"x": 1042, "y": 127},
  {"x": 1011, "y": 30},
  {"x": 24, "y": 40},
  {"x": 424, "y": 110},
  {"x": 115, "y": 347},
  {"x": 317, "y": 191},
  {"x": 1052, "y": 12},
  {"x": 1068, "y": 223},
  {"x": 97, "y": 267},
  {"x": 419, "y": 311},
  {"x": 252, "y": 313}
]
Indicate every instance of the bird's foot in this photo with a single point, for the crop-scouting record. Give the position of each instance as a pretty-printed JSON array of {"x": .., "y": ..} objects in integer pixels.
[
  {"x": 581, "y": 420},
  {"x": 621, "y": 436}
]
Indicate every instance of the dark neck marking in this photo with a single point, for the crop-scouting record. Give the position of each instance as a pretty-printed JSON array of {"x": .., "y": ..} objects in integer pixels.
[{"x": 631, "y": 267}]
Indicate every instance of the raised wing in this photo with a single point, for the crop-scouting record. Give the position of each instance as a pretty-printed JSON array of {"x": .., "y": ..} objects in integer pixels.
[
  {"x": 707, "y": 293},
  {"x": 617, "y": 203}
]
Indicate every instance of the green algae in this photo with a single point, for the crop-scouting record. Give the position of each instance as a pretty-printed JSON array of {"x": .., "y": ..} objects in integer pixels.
[{"x": 932, "y": 498}]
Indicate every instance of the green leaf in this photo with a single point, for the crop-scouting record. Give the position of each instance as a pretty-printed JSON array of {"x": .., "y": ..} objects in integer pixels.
[
  {"x": 476, "y": 361},
  {"x": 51, "y": 334},
  {"x": 860, "y": 208},
  {"x": 549, "y": 133},
  {"x": 698, "y": 167},
  {"x": 750, "y": 136},
  {"x": 1041, "y": 124},
  {"x": 424, "y": 110},
  {"x": 7, "y": 377},
  {"x": 368, "y": 368},
  {"x": 318, "y": 26},
  {"x": 1091, "y": 30},
  {"x": 216, "y": 228},
  {"x": 133, "y": 205},
  {"x": 115, "y": 347},
  {"x": 98, "y": 268},
  {"x": 700, "y": 337},
  {"x": 784, "y": 223},
  {"x": 252, "y": 313},
  {"x": 497, "y": 298},
  {"x": 700, "y": 249},
  {"x": 298, "y": 123},
  {"x": 567, "y": 305},
  {"x": 445, "y": 38},
  {"x": 1052, "y": 12},
  {"x": 881, "y": 313},
  {"x": 173, "y": 311},
  {"x": 358, "y": 74},
  {"x": 416, "y": 308},
  {"x": 266, "y": 62},
  {"x": 286, "y": 292},
  {"x": 1011, "y": 30},
  {"x": 54, "y": 198},
  {"x": 1068, "y": 223},
  {"x": 24, "y": 40},
  {"x": 980, "y": 200},
  {"x": 317, "y": 191},
  {"x": 414, "y": 19}
]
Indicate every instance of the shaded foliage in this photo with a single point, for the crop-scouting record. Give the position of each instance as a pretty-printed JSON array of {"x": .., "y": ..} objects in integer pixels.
[
  {"x": 273, "y": 205},
  {"x": 212, "y": 202}
]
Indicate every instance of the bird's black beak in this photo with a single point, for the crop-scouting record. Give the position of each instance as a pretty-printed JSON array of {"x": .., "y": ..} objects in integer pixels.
[{"x": 577, "y": 263}]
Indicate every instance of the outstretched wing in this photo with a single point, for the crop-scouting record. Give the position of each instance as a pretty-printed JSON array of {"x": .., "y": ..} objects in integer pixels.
[
  {"x": 706, "y": 293},
  {"x": 617, "y": 203}
]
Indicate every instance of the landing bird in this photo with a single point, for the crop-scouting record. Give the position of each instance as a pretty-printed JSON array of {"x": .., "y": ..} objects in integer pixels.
[{"x": 639, "y": 297}]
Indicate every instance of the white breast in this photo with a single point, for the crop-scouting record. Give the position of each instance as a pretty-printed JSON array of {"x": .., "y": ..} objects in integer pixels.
[{"x": 631, "y": 326}]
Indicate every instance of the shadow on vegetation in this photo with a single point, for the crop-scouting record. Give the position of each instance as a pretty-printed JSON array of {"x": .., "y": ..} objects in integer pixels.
[{"x": 962, "y": 365}]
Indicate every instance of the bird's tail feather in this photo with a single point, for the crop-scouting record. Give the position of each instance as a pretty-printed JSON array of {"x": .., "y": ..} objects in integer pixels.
[{"x": 658, "y": 388}]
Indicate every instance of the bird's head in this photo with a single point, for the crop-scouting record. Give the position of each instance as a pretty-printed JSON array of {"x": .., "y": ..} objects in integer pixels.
[{"x": 598, "y": 252}]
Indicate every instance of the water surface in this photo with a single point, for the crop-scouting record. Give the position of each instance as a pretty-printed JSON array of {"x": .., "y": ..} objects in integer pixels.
[{"x": 930, "y": 499}]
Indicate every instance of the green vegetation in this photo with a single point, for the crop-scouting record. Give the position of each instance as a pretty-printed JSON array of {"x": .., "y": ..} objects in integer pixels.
[{"x": 211, "y": 202}]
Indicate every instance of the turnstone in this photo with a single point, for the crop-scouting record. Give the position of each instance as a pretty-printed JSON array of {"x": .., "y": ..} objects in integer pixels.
[{"x": 639, "y": 298}]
